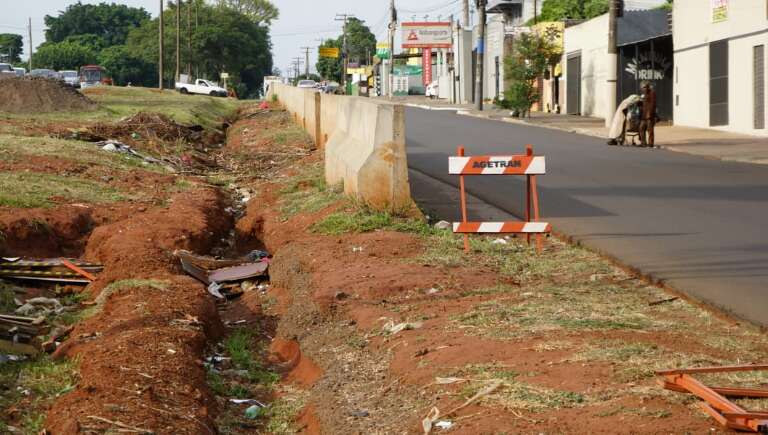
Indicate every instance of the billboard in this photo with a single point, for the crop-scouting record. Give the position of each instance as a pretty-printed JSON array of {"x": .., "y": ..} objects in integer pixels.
[{"x": 427, "y": 35}]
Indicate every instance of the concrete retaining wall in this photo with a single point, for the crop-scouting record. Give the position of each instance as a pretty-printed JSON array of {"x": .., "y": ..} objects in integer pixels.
[{"x": 364, "y": 143}]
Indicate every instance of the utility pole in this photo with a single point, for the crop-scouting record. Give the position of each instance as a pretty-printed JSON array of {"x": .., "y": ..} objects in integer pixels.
[
  {"x": 480, "y": 56},
  {"x": 161, "y": 42},
  {"x": 612, "y": 62},
  {"x": 189, "y": 39},
  {"x": 178, "y": 41},
  {"x": 392, "y": 30},
  {"x": 466, "y": 14},
  {"x": 344, "y": 49},
  {"x": 306, "y": 63},
  {"x": 297, "y": 63},
  {"x": 30, "y": 44},
  {"x": 535, "y": 12}
]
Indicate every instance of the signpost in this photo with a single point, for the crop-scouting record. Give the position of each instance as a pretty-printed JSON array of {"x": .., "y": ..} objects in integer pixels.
[
  {"x": 331, "y": 52},
  {"x": 382, "y": 50},
  {"x": 426, "y": 59},
  {"x": 427, "y": 35}
]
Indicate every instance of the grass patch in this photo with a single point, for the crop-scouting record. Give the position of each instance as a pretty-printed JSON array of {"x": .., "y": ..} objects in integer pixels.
[
  {"x": 556, "y": 308},
  {"x": 366, "y": 220},
  {"x": 307, "y": 193},
  {"x": 18, "y": 147},
  {"x": 31, "y": 190},
  {"x": 282, "y": 413},
  {"x": 514, "y": 393},
  {"x": 43, "y": 379},
  {"x": 239, "y": 346}
]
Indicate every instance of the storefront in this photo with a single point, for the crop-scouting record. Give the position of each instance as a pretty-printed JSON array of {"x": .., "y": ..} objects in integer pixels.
[{"x": 646, "y": 54}]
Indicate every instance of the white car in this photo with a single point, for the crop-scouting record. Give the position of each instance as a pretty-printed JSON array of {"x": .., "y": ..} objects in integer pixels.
[
  {"x": 307, "y": 84},
  {"x": 20, "y": 72},
  {"x": 71, "y": 78},
  {"x": 433, "y": 90},
  {"x": 202, "y": 87},
  {"x": 6, "y": 71}
]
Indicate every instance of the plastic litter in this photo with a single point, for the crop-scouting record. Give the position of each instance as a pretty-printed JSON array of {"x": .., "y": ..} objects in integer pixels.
[
  {"x": 444, "y": 424},
  {"x": 443, "y": 225},
  {"x": 40, "y": 305},
  {"x": 393, "y": 328},
  {"x": 253, "y": 412},
  {"x": 214, "y": 289},
  {"x": 247, "y": 402},
  {"x": 499, "y": 242}
]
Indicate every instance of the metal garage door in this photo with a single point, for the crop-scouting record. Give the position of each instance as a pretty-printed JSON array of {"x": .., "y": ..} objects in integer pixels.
[
  {"x": 718, "y": 83},
  {"x": 573, "y": 85},
  {"x": 759, "y": 87}
]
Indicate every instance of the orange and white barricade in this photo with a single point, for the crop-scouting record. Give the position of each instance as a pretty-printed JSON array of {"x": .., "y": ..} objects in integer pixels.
[{"x": 528, "y": 165}]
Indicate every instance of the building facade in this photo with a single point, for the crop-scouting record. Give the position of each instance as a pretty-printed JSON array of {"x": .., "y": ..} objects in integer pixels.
[{"x": 720, "y": 64}]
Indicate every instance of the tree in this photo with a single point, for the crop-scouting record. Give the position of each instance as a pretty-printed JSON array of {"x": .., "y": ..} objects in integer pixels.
[
  {"x": 11, "y": 47},
  {"x": 65, "y": 55},
  {"x": 558, "y": 10},
  {"x": 260, "y": 11},
  {"x": 531, "y": 56},
  {"x": 124, "y": 67},
  {"x": 361, "y": 44},
  {"x": 224, "y": 41},
  {"x": 110, "y": 23},
  {"x": 330, "y": 68}
]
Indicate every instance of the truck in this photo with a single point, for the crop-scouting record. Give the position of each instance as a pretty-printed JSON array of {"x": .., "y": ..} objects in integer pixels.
[{"x": 202, "y": 87}]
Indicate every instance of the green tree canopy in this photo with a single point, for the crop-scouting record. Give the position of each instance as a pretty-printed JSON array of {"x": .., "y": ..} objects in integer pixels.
[
  {"x": 260, "y": 11},
  {"x": 531, "y": 56},
  {"x": 125, "y": 67},
  {"x": 224, "y": 41},
  {"x": 65, "y": 55},
  {"x": 558, "y": 10},
  {"x": 327, "y": 67},
  {"x": 109, "y": 22},
  {"x": 11, "y": 47},
  {"x": 361, "y": 43}
]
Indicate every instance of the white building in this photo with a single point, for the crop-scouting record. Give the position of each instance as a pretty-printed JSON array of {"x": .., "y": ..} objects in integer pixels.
[{"x": 720, "y": 63}]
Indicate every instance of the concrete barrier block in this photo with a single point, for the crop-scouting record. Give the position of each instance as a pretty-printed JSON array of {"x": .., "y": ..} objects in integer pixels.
[{"x": 367, "y": 153}]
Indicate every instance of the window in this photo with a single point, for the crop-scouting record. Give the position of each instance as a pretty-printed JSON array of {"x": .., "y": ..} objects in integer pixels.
[
  {"x": 759, "y": 86},
  {"x": 718, "y": 83}
]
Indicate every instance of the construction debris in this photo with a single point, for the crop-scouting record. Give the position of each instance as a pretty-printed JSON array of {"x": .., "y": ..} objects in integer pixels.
[
  {"x": 226, "y": 278},
  {"x": 716, "y": 404},
  {"x": 61, "y": 270},
  {"x": 20, "y": 334}
]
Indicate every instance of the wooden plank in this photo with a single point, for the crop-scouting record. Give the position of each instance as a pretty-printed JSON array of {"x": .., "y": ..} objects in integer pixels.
[{"x": 724, "y": 369}]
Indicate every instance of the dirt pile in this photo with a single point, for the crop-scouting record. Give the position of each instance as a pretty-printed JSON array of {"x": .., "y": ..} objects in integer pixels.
[{"x": 35, "y": 95}]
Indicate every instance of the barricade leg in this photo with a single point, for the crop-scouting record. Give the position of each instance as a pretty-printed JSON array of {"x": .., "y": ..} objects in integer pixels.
[{"x": 463, "y": 195}]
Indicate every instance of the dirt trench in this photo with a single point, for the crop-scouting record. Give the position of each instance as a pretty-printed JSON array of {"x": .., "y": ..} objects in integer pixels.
[{"x": 142, "y": 356}]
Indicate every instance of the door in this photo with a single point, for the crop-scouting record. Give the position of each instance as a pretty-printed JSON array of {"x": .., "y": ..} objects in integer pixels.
[
  {"x": 718, "y": 83},
  {"x": 759, "y": 87},
  {"x": 573, "y": 85}
]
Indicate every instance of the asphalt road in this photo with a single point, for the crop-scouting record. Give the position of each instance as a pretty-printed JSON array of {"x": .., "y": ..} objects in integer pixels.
[{"x": 699, "y": 225}]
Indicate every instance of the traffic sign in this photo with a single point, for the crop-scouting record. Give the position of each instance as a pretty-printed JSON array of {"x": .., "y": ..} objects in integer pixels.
[{"x": 331, "y": 52}]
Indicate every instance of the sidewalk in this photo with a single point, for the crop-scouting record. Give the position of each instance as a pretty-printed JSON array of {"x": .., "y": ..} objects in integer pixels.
[{"x": 697, "y": 141}]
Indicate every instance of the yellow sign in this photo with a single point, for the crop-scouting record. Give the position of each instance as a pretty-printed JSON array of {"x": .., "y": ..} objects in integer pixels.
[
  {"x": 382, "y": 45},
  {"x": 329, "y": 52},
  {"x": 719, "y": 11}
]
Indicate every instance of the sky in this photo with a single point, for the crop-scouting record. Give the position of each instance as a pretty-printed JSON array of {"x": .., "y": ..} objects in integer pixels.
[{"x": 302, "y": 23}]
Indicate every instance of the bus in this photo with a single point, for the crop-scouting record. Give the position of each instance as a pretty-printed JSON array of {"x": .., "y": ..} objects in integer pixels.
[{"x": 93, "y": 75}]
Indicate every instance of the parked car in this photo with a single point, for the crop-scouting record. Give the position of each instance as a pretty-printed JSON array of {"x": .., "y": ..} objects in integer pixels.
[
  {"x": 331, "y": 87},
  {"x": 202, "y": 87},
  {"x": 306, "y": 84},
  {"x": 433, "y": 90},
  {"x": 42, "y": 72},
  {"x": 20, "y": 72},
  {"x": 71, "y": 78},
  {"x": 6, "y": 71}
]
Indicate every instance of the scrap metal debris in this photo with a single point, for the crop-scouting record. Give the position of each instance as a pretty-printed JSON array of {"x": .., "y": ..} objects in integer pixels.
[
  {"x": 61, "y": 270},
  {"x": 226, "y": 278},
  {"x": 716, "y": 402}
]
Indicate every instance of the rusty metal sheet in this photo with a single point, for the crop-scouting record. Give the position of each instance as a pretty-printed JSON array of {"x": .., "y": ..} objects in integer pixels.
[{"x": 239, "y": 273}]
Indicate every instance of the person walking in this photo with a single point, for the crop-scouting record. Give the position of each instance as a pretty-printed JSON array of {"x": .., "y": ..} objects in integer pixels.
[{"x": 648, "y": 119}]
